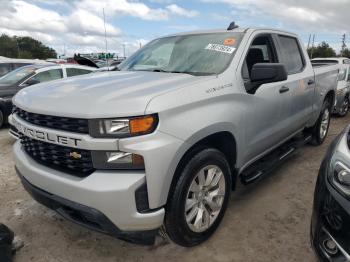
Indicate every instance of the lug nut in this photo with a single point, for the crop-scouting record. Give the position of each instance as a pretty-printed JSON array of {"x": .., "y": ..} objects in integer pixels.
[{"x": 330, "y": 246}]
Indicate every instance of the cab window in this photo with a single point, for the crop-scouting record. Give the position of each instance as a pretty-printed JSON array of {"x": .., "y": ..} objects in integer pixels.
[
  {"x": 262, "y": 50},
  {"x": 291, "y": 54},
  {"x": 48, "y": 75},
  {"x": 76, "y": 71}
]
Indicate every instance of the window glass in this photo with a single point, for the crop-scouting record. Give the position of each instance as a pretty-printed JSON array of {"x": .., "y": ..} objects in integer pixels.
[
  {"x": 17, "y": 75},
  {"x": 292, "y": 57},
  {"x": 346, "y": 61},
  {"x": 48, "y": 75},
  {"x": 198, "y": 54},
  {"x": 76, "y": 71},
  {"x": 260, "y": 51},
  {"x": 348, "y": 74},
  {"x": 18, "y": 65},
  {"x": 4, "y": 69}
]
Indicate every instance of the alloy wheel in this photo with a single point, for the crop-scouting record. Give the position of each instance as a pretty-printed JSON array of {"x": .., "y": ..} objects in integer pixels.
[{"x": 205, "y": 198}]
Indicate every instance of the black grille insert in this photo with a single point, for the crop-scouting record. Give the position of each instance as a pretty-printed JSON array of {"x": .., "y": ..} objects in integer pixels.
[
  {"x": 59, "y": 157},
  {"x": 56, "y": 122}
]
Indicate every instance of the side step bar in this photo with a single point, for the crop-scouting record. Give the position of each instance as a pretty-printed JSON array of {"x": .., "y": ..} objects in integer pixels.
[{"x": 272, "y": 160}]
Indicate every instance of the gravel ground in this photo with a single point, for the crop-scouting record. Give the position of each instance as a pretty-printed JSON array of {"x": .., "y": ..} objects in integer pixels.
[{"x": 266, "y": 221}]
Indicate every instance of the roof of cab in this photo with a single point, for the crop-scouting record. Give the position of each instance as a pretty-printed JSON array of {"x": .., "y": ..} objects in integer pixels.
[{"x": 236, "y": 30}]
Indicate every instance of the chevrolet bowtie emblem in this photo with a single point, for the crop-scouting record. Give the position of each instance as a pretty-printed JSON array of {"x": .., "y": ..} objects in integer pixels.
[{"x": 75, "y": 155}]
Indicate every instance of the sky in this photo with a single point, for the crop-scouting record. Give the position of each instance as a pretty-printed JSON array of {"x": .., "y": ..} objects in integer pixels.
[{"x": 77, "y": 26}]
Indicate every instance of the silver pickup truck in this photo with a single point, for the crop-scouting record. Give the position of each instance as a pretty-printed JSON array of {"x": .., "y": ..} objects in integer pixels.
[{"x": 164, "y": 141}]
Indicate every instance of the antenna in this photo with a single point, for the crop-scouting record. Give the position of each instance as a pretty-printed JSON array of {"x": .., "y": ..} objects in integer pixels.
[{"x": 232, "y": 26}]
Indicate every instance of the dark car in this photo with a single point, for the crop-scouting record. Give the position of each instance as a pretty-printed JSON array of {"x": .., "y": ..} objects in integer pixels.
[
  {"x": 330, "y": 225},
  {"x": 25, "y": 76}
]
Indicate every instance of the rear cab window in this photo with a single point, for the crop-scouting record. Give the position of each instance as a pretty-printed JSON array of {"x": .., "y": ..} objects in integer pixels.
[
  {"x": 76, "y": 71},
  {"x": 292, "y": 56}
]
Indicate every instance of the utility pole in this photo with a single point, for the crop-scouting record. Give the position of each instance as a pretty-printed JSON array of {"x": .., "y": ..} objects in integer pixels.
[
  {"x": 104, "y": 23},
  {"x": 343, "y": 46},
  {"x": 124, "y": 50},
  {"x": 18, "y": 50},
  {"x": 308, "y": 42},
  {"x": 312, "y": 47}
]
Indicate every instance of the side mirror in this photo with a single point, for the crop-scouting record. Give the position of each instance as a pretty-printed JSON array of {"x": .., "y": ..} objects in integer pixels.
[
  {"x": 263, "y": 73},
  {"x": 31, "y": 82}
]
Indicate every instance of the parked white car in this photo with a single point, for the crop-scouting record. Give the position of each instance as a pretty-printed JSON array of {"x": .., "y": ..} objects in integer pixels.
[
  {"x": 341, "y": 106},
  {"x": 25, "y": 76},
  {"x": 9, "y": 64}
]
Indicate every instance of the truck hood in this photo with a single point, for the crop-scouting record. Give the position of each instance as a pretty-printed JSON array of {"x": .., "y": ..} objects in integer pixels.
[{"x": 101, "y": 95}]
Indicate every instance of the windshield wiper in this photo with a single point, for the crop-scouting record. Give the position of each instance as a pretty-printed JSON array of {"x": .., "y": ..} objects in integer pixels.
[
  {"x": 178, "y": 72},
  {"x": 172, "y": 72}
]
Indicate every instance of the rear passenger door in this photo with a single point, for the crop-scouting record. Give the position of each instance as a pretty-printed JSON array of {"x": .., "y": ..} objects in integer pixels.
[{"x": 300, "y": 82}]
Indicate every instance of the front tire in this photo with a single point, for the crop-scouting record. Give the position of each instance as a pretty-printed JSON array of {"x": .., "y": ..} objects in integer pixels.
[
  {"x": 343, "y": 111},
  {"x": 198, "y": 200},
  {"x": 320, "y": 129}
]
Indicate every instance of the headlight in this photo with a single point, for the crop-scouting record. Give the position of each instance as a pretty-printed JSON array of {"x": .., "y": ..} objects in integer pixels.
[
  {"x": 117, "y": 160},
  {"x": 340, "y": 177},
  {"x": 123, "y": 127}
]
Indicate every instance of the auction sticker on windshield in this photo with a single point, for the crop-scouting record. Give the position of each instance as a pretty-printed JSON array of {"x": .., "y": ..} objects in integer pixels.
[{"x": 220, "y": 48}]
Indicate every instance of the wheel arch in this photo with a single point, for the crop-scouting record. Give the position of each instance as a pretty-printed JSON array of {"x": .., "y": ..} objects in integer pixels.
[
  {"x": 330, "y": 96},
  {"x": 222, "y": 140}
]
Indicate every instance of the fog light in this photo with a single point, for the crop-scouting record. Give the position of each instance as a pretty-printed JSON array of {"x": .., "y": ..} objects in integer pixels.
[
  {"x": 125, "y": 159},
  {"x": 117, "y": 160},
  {"x": 344, "y": 177},
  {"x": 119, "y": 157},
  {"x": 342, "y": 174}
]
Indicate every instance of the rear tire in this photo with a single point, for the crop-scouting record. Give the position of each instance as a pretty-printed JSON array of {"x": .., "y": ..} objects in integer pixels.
[
  {"x": 2, "y": 119},
  {"x": 343, "y": 111},
  {"x": 198, "y": 200},
  {"x": 320, "y": 130}
]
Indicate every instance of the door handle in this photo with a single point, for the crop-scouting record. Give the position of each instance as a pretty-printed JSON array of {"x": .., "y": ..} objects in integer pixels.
[
  {"x": 311, "y": 82},
  {"x": 284, "y": 89}
]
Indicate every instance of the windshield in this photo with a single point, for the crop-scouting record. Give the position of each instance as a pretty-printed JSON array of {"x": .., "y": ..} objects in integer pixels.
[
  {"x": 200, "y": 54},
  {"x": 17, "y": 75}
]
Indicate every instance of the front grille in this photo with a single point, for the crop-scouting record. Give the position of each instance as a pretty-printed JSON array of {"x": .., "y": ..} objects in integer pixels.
[
  {"x": 58, "y": 157},
  {"x": 56, "y": 122}
]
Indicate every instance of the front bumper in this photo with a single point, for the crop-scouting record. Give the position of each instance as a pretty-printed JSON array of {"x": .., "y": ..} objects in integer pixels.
[
  {"x": 86, "y": 216},
  {"x": 111, "y": 193},
  {"x": 331, "y": 216}
]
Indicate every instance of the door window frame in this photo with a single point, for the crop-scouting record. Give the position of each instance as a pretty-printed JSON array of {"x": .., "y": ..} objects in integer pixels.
[{"x": 274, "y": 46}]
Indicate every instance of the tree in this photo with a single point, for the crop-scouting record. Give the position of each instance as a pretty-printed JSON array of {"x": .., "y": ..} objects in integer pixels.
[
  {"x": 24, "y": 47},
  {"x": 346, "y": 53},
  {"x": 322, "y": 50}
]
